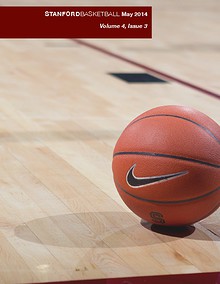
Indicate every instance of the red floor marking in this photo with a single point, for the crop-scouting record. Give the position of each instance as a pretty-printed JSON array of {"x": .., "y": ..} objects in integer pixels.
[
  {"x": 148, "y": 69},
  {"x": 198, "y": 278}
]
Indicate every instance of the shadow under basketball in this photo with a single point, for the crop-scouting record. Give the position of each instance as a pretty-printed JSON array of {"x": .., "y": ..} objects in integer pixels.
[
  {"x": 179, "y": 232},
  {"x": 101, "y": 230}
]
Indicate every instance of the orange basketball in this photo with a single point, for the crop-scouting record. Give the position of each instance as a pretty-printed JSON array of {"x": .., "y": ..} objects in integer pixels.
[{"x": 166, "y": 165}]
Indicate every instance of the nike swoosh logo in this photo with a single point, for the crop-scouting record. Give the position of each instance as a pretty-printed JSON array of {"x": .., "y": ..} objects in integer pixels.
[{"x": 137, "y": 182}]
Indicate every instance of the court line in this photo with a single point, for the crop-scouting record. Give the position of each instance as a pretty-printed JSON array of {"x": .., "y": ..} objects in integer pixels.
[{"x": 147, "y": 68}]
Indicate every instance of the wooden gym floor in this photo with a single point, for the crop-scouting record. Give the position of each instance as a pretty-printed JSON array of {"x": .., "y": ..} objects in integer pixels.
[{"x": 61, "y": 113}]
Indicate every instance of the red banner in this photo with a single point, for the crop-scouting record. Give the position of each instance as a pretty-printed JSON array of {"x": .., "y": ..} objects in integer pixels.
[{"x": 75, "y": 22}]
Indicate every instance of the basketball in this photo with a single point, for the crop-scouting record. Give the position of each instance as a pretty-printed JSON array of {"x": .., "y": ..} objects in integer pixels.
[{"x": 166, "y": 166}]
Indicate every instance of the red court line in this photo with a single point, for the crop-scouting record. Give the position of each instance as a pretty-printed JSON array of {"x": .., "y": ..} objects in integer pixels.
[
  {"x": 147, "y": 68},
  {"x": 198, "y": 278}
]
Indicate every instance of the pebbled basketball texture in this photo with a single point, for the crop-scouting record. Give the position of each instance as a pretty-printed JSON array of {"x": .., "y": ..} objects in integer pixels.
[{"x": 166, "y": 165}]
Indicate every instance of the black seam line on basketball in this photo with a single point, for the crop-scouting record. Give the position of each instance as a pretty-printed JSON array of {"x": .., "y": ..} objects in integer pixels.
[
  {"x": 168, "y": 202},
  {"x": 137, "y": 182},
  {"x": 180, "y": 117},
  {"x": 167, "y": 156}
]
